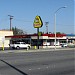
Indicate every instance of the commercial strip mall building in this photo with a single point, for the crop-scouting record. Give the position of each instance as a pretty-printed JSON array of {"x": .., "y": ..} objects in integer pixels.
[{"x": 45, "y": 40}]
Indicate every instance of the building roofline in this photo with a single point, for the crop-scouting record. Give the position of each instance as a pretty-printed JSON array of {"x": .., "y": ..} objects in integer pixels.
[{"x": 29, "y": 35}]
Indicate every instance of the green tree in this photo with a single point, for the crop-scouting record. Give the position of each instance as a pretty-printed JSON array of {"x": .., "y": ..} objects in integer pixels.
[
  {"x": 17, "y": 31},
  {"x": 58, "y": 32}
]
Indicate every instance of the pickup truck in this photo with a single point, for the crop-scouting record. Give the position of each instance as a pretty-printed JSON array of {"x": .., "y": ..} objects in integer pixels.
[{"x": 19, "y": 45}]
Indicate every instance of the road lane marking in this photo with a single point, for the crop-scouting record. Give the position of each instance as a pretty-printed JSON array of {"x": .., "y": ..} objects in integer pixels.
[
  {"x": 43, "y": 67},
  {"x": 47, "y": 67},
  {"x": 39, "y": 68},
  {"x": 30, "y": 69}
]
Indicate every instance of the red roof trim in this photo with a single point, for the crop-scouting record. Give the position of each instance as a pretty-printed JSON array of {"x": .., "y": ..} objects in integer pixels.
[
  {"x": 53, "y": 35},
  {"x": 18, "y": 36},
  {"x": 27, "y": 36}
]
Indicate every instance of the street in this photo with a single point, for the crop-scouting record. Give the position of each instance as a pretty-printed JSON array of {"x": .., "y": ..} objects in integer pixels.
[{"x": 38, "y": 63}]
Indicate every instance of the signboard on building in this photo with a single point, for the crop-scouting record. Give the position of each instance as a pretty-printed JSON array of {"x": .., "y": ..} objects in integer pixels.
[
  {"x": 37, "y": 22},
  {"x": 2, "y": 38}
]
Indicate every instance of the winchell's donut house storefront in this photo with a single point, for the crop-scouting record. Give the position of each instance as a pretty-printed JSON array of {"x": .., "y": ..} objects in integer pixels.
[{"x": 45, "y": 40}]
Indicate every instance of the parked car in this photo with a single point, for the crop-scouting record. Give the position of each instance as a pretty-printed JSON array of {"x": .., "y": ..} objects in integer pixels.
[
  {"x": 19, "y": 45},
  {"x": 64, "y": 45}
]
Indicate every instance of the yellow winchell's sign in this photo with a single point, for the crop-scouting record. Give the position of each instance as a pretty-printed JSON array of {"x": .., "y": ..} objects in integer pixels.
[{"x": 38, "y": 22}]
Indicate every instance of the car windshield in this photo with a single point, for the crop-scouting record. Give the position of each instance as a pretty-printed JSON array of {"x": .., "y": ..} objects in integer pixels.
[{"x": 23, "y": 43}]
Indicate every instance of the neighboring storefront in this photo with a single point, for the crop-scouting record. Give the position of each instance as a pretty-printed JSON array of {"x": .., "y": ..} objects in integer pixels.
[{"x": 5, "y": 41}]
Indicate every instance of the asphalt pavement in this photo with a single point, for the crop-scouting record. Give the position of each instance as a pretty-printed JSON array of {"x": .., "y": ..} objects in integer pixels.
[{"x": 38, "y": 63}]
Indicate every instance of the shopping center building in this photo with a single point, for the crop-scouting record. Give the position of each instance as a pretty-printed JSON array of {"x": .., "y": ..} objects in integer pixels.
[{"x": 45, "y": 40}]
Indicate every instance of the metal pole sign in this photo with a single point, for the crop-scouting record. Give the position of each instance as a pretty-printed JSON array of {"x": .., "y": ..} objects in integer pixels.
[
  {"x": 2, "y": 39},
  {"x": 37, "y": 24}
]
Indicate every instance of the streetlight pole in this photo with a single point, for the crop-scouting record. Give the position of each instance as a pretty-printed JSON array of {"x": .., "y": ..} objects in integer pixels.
[
  {"x": 11, "y": 17},
  {"x": 55, "y": 28},
  {"x": 55, "y": 23}
]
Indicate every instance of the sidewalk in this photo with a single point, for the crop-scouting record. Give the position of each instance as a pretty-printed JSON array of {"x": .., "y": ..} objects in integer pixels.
[{"x": 33, "y": 50}]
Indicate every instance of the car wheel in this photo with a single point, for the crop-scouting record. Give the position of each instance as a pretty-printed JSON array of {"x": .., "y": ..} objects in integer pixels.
[
  {"x": 28, "y": 48},
  {"x": 18, "y": 47}
]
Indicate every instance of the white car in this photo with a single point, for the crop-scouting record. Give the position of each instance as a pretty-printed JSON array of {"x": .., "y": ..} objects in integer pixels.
[
  {"x": 64, "y": 45},
  {"x": 19, "y": 45}
]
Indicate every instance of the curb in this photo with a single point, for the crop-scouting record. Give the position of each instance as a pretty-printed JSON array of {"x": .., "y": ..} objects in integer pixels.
[{"x": 35, "y": 50}]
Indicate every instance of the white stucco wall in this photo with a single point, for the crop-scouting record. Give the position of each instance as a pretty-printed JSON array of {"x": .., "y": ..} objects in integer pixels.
[{"x": 3, "y": 39}]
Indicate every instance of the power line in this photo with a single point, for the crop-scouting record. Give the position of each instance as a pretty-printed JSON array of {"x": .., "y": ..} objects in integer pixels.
[{"x": 22, "y": 20}]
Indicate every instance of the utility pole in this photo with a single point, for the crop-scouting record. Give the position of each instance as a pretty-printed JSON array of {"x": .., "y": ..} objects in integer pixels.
[
  {"x": 11, "y": 17},
  {"x": 46, "y": 23}
]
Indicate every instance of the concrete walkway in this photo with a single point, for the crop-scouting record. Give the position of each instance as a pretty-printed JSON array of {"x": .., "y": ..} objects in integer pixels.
[{"x": 34, "y": 50}]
